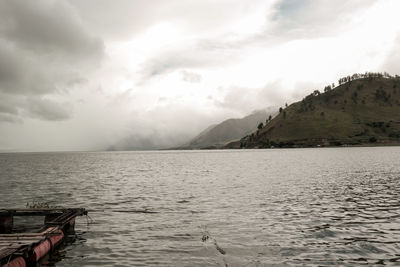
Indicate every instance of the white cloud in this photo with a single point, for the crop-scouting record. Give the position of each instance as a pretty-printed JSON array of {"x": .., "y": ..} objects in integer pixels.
[
  {"x": 191, "y": 77},
  {"x": 170, "y": 68},
  {"x": 44, "y": 52}
]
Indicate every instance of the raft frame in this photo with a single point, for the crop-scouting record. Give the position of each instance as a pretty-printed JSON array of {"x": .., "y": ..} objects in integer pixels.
[{"x": 26, "y": 249}]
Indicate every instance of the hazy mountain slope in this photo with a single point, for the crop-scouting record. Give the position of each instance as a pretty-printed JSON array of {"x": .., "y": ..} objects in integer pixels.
[
  {"x": 360, "y": 111},
  {"x": 228, "y": 130}
]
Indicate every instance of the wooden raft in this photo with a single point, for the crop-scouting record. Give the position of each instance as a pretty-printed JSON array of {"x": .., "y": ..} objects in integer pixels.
[{"x": 14, "y": 245}]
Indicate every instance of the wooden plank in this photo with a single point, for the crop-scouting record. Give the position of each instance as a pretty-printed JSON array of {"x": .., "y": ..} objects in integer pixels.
[
  {"x": 29, "y": 242},
  {"x": 19, "y": 248},
  {"x": 18, "y": 245},
  {"x": 5, "y": 243},
  {"x": 12, "y": 248},
  {"x": 20, "y": 235},
  {"x": 22, "y": 241},
  {"x": 25, "y": 242},
  {"x": 7, "y": 252},
  {"x": 41, "y": 212},
  {"x": 29, "y": 213},
  {"x": 12, "y": 239},
  {"x": 41, "y": 209},
  {"x": 28, "y": 236}
]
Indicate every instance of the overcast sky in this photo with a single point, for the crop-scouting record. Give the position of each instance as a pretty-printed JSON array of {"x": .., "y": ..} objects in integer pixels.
[{"x": 86, "y": 75}]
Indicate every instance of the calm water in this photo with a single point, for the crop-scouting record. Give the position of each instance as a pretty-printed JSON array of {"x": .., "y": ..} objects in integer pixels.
[{"x": 216, "y": 208}]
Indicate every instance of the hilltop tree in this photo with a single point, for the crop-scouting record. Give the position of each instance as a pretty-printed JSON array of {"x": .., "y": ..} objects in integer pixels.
[
  {"x": 260, "y": 126},
  {"x": 327, "y": 88},
  {"x": 268, "y": 119},
  {"x": 316, "y": 93},
  {"x": 280, "y": 110}
]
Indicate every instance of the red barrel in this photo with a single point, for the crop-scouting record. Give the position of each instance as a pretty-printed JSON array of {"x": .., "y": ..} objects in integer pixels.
[
  {"x": 56, "y": 239},
  {"x": 39, "y": 251},
  {"x": 17, "y": 262}
]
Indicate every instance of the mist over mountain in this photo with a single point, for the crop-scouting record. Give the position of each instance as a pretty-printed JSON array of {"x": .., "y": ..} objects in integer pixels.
[{"x": 216, "y": 136}]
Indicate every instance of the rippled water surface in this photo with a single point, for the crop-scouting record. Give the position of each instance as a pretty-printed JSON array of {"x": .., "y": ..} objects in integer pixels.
[{"x": 216, "y": 208}]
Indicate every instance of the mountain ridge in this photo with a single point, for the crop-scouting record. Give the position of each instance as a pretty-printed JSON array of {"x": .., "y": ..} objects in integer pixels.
[
  {"x": 217, "y": 135},
  {"x": 363, "y": 109}
]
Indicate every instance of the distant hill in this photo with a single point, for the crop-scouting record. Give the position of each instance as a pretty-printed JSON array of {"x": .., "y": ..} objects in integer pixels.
[
  {"x": 218, "y": 135},
  {"x": 363, "y": 109}
]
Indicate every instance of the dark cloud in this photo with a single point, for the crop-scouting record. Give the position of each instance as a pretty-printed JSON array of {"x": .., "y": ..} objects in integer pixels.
[
  {"x": 44, "y": 109},
  {"x": 44, "y": 50},
  {"x": 167, "y": 62},
  {"x": 48, "y": 27},
  {"x": 180, "y": 58},
  {"x": 22, "y": 73},
  {"x": 10, "y": 67},
  {"x": 8, "y": 107},
  {"x": 9, "y": 111},
  {"x": 9, "y": 118}
]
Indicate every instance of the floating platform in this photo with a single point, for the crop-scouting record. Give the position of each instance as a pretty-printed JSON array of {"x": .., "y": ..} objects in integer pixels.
[{"x": 26, "y": 249}]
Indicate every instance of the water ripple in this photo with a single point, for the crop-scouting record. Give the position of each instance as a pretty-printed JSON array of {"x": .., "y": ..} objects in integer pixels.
[{"x": 258, "y": 208}]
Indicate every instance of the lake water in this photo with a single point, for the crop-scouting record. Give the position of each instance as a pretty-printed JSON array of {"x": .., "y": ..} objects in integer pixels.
[{"x": 215, "y": 208}]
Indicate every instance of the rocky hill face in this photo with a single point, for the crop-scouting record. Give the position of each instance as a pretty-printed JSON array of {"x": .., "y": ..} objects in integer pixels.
[
  {"x": 218, "y": 135},
  {"x": 363, "y": 109}
]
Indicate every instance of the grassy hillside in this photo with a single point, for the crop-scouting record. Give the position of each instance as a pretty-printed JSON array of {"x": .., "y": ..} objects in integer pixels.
[{"x": 363, "y": 109}]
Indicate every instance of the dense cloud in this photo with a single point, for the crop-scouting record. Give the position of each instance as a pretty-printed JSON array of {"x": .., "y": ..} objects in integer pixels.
[
  {"x": 276, "y": 23},
  {"x": 125, "y": 19},
  {"x": 181, "y": 58},
  {"x": 44, "y": 50},
  {"x": 45, "y": 109},
  {"x": 140, "y": 74}
]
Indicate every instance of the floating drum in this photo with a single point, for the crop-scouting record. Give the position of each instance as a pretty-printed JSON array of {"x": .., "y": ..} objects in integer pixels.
[
  {"x": 39, "y": 251},
  {"x": 56, "y": 239},
  {"x": 17, "y": 262}
]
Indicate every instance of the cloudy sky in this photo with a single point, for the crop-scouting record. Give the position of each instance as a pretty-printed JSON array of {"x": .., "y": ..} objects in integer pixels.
[{"x": 87, "y": 75}]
